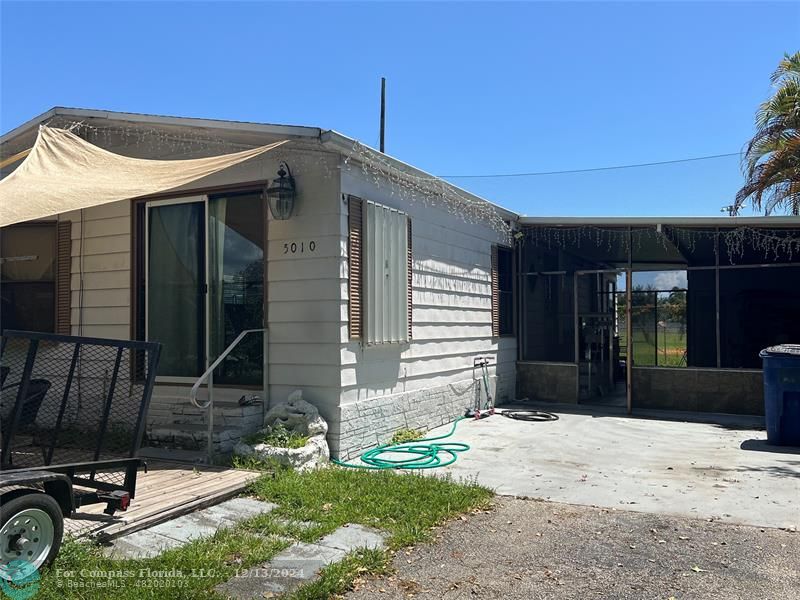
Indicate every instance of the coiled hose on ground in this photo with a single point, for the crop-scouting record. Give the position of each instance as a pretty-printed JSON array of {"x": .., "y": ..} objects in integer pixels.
[
  {"x": 419, "y": 454},
  {"x": 529, "y": 415},
  {"x": 425, "y": 453}
]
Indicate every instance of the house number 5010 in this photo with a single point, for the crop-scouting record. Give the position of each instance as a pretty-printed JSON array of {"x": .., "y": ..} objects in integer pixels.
[{"x": 299, "y": 247}]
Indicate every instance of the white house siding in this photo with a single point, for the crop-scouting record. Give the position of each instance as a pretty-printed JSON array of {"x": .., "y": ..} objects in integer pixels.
[
  {"x": 303, "y": 304},
  {"x": 101, "y": 259},
  {"x": 429, "y": 381},
  {"x": 303, "y": 290},
  {"x": 364, "y": 393}
]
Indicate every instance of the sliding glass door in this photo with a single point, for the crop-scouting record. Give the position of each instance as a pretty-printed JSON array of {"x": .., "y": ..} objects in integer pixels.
[
  {"x": 176, "y": 285},
  {"x": 236, "y": 284},
  {"x": 204, "y": 280}
]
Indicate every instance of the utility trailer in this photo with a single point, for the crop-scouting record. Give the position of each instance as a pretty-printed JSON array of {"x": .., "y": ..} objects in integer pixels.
[{"x": 72, "y": 418}]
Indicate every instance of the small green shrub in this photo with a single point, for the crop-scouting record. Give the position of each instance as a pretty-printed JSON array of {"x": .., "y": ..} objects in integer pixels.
[
  {"x": 277, "y": 435},
  {"x": 401, "y": 436}
]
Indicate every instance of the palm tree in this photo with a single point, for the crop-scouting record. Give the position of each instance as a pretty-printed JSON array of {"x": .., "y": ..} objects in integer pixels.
[{"x": 771, "y": 162}]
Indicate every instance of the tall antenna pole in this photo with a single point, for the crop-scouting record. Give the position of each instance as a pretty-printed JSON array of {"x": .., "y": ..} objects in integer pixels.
[{"x": 383, "y": 114}]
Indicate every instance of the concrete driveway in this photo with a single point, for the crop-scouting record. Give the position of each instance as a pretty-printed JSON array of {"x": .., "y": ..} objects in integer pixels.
[{"x": 724, "y": 472}]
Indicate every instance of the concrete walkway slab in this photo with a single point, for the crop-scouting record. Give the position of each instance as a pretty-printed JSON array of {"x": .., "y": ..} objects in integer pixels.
[
  {"x": 300, "y": 563},
  {"x": 142, "y": 544},
  {"x": 239, "y": 509},
  {"x": 190, "y": 527},
  {"x": 153, "y": 541},
  {"x": 705, "y": 470}
]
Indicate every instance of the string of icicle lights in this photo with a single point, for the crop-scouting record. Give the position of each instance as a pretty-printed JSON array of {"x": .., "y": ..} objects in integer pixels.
[
  {"x": 730, "y": 242},
  {"x": 302, "y": 155},
  {"x": 430, "y": 191},
  {"x": 160, "y": 140}
]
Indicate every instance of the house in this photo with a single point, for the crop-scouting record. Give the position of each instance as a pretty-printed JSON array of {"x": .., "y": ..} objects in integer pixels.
[
  {"x": 369, "y": 285},
  {"x": 377, "y": 291}
]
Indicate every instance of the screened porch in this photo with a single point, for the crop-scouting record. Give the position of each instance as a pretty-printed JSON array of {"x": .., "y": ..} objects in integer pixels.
[{"x": 655, "y": 313}]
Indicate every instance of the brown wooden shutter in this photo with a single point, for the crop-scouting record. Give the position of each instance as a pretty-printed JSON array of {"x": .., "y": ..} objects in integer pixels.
[
  {"x": 355, "y": 251},
  {"x": 63, "y": 277},
  {"x": 495, "y": 294},
  {"x": 410, "y": 292}
]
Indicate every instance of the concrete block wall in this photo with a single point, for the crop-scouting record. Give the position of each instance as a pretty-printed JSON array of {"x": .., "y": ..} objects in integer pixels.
[
  {"x": 367, "y": 423},
  {"x": 733, "y": 391},
  {"x": 551, "y": 382},
  {"x": 173, "y": 421}
]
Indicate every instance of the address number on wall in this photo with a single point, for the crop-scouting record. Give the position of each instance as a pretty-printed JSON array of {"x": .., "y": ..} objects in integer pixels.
[{"x": 299, "y": 247}]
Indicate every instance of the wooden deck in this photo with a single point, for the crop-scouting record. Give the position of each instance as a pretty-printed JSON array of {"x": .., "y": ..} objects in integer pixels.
[{"x": 167, "y": 490}]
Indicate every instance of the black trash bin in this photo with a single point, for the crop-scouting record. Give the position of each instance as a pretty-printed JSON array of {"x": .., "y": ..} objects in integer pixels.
[{"x": 782, "y": 394}]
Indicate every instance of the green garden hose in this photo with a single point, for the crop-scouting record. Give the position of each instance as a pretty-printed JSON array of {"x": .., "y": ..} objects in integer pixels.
[{"x": 419, "y": 454}]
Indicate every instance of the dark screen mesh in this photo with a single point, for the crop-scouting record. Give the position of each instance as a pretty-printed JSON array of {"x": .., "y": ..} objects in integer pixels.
[{"x": 66, "y": 399}]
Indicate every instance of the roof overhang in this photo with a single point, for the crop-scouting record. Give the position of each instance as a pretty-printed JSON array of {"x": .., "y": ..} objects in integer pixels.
[
  {"x": 144, "y": 119},
  {"x": 247, "y": 133},
  {"x": 345, "y": 145}
]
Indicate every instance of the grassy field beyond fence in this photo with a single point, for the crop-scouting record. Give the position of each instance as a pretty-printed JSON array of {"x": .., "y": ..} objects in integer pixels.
[{"x": 665, "y": 348}]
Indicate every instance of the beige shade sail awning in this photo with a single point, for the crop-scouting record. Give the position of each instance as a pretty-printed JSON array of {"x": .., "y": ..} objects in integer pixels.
[{"x": 64, "y": 172}]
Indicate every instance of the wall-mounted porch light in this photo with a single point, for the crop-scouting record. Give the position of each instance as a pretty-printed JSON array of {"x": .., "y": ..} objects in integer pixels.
[{"x": 281, "y": 194}]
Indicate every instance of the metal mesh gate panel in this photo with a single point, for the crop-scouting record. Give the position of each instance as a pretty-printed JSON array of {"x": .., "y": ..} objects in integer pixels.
[{"x": 68, "y": 399}]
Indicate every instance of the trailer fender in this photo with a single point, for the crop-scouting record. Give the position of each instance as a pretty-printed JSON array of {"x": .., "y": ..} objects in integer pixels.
[{"x": 56, "y": 485}]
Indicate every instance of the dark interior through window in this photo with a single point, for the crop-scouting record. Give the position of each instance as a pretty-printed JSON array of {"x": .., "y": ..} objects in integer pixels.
[
  {"x": 505, "y": 274},
  {"x": 27, "y": 277}
]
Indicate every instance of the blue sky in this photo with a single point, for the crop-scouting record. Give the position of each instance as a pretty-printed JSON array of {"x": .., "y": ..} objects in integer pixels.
[{"x": 473, "y": 88}]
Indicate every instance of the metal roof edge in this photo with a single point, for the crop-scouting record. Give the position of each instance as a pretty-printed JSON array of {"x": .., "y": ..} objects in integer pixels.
[
  {"x": 30, "y": 124},
  {"x": 246, "y": 126},
  {"x": 343, "y": 143}
]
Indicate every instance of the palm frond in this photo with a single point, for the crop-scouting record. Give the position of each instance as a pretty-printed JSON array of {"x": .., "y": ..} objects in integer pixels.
[
  {"x": 782, "y": 107},
  {"x": 789, "y": 67},
  {"x": 771, "y": 161}
]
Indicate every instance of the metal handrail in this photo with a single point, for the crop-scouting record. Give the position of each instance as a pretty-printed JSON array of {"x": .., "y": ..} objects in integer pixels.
[
  {"x": 215, "y": 364},
  {"x": 208, "y": 376}
]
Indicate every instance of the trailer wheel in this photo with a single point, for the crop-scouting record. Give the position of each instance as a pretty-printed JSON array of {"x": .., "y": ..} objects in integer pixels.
[{"x": 31, "y": 528}]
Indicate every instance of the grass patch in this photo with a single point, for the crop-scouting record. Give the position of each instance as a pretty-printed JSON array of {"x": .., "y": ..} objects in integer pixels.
[
  {"x": 660, "y": 348},
  {"x": 278, "y": 436},
  {"x": 82, "y": 572},
  {"x": 406, "y": 506},
  {"x": 339, "y": 577},
  {"x": 252, "y": 463},
  {"x": 402, "y": 436}
]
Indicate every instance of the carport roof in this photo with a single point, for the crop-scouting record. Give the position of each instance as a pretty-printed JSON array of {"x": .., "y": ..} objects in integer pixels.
[
  {"x": 669, "y": 242},
  {"x": 721, "y": 221}
]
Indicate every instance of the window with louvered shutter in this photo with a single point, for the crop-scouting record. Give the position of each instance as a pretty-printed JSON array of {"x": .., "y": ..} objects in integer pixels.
[
  {"x": 410, "y": 290},
  {"x": 495, "y": 294},
  {"x": 385, "y": 275},
  {"x": 63, "y": 277},
  {"x": 502, "y": 272},
  {"x": 380, "y": 271},
  {"x": 356, "y": 237}
]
